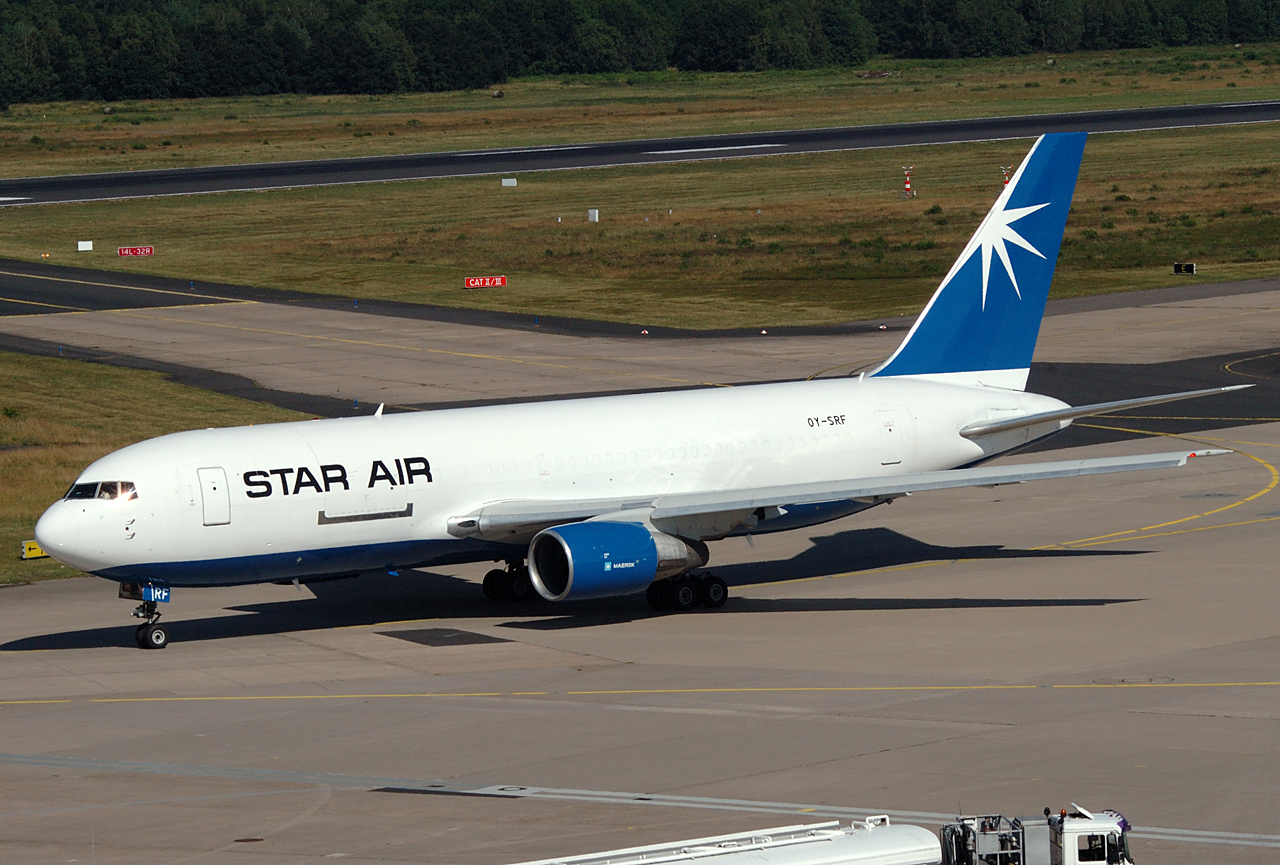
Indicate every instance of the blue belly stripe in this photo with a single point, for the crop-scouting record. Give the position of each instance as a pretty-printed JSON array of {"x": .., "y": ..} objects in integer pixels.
[{"x": 300, "y": 564}]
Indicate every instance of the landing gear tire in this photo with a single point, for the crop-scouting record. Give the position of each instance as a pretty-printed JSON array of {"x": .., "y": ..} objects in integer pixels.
[
  {"x": 496, "y": 585},
  {"x": 518, "y": 586},
  {"x": 140, "y": 635},
  {"x": 684, "y": 596},
  {"x": 153, "y": 637},
  {"x": 659, "y": 595},
  {"x": 713, "y": 592}
]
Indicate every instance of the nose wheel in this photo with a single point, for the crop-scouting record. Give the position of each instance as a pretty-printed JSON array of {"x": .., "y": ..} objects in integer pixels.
[{"x": 150, "y": 634}]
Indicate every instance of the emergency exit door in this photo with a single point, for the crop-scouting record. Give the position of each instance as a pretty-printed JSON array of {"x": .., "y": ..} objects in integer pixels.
[
  {"x": 216, "y": 496},
  {"x": 890, "y": 437}
]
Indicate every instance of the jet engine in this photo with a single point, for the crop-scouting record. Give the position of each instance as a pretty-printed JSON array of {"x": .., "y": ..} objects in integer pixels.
[{"x": 605, "y": 559}]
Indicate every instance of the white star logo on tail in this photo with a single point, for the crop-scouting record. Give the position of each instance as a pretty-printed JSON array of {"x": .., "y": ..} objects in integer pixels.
[{"x": 993, "y": 233}]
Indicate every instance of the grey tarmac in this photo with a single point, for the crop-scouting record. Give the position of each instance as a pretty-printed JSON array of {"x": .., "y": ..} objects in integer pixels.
[{"x": 1110, "y": 641}]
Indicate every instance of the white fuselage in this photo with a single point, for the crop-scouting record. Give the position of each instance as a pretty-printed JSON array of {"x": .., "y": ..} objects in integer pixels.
[{"x": 328, "y": 497}]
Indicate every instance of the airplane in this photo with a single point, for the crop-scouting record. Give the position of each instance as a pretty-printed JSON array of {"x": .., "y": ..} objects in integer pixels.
[{"x": 608, "y": 496}]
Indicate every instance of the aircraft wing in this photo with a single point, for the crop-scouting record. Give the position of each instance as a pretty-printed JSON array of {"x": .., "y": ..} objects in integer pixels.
[{"x": 510, "y": 520}]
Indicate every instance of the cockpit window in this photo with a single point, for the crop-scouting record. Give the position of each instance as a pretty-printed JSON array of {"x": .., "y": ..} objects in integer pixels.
[
  {"x": 82, "y": 491},
  {"x": 123, "y": 490}
]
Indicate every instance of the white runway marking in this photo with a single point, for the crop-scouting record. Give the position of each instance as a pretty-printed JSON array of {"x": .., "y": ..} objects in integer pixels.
[{"x": 712, "y": 149}]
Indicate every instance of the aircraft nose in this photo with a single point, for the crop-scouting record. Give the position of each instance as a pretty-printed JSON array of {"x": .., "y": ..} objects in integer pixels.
[{"x": 58, "y": 531}]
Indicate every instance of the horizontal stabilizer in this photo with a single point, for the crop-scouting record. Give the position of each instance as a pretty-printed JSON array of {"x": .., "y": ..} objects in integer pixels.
[{"x": 983, "y": 428}]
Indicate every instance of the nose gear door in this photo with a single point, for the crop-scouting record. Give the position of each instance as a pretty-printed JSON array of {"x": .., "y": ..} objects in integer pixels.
[{"x": 216, "y": 496}]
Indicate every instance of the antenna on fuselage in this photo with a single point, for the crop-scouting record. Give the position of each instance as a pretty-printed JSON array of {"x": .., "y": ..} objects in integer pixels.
[{"x": 378, "y": 413}]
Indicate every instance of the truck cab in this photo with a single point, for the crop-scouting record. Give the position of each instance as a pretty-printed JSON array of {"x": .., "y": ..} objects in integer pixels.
[
  {"x": 1078, "y": 836},
  {"x": 1075, "y": 837}
]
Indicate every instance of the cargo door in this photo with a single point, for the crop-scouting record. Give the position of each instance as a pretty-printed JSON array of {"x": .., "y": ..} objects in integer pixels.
[
  {"x": 216, "y": 496},
  {"x": 890, "y": 437}
]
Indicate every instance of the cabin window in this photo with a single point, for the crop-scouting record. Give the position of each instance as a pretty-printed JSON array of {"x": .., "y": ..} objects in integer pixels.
[{"x": 1092, "y": 848}]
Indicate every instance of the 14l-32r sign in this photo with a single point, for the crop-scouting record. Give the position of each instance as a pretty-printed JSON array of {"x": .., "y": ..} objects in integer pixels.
[
  {"x": 135, "y": 250},
  {"x": 484, "y": 281}
]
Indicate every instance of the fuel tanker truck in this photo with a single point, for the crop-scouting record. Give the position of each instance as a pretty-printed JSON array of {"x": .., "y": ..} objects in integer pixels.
[{"x": 1075, "y": 837}]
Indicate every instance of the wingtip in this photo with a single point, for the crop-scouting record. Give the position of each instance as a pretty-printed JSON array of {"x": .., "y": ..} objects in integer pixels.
[{"x": 1209, "y": 452}]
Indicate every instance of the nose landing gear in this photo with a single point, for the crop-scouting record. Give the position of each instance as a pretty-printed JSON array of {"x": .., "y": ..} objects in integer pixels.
[{"x": 150, "y": 634}]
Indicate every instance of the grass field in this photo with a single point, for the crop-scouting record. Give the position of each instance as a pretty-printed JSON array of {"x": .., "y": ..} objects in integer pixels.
[
  {"x": 78, "y": 137},
  {"x": 57, "y": 416},
  {"x": 765, "y": 241}
]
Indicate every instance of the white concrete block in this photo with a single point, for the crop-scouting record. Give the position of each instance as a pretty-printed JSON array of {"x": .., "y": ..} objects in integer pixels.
[
  {"x": 84, "y": 246},
  {"x": 593, "y": 215},
  {"x": 508, "y": 181}
]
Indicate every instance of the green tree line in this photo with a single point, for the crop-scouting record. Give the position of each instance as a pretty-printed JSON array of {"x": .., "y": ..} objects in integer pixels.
[{"x": 131, "y": 49}]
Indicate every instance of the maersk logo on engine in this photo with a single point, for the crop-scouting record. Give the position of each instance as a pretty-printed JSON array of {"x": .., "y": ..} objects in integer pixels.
[
  {"x": 609, "y": 566},
  {"x": 394, "y": 473}
]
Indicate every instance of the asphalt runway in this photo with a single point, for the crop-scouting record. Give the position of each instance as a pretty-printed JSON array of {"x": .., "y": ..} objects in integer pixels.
[
  {"x": 1110, "y": 641},
  {"x": 420, "y": 166}
]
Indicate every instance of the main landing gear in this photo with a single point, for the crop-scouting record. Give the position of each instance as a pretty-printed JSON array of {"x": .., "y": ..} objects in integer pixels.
[
  {"x": 150, "y": 634},
  {"x": 509, "y": 585},
  {"x": 686, "y": 592}
]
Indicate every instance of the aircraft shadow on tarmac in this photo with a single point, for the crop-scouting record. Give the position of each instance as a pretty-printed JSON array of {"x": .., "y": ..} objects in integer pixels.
[{"x": 379, "y": 598}]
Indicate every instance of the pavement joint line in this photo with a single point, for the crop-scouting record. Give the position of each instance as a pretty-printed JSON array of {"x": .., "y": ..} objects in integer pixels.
[
  {"x": 115, "y": 285},
  {"x": 471, "y": 355},
  {"x": 639, "y": 692},
  {"x": 516, "y": 791}
]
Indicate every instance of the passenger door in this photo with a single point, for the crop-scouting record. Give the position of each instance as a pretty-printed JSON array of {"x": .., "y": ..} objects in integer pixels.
[{"x": 216, "y": 496}]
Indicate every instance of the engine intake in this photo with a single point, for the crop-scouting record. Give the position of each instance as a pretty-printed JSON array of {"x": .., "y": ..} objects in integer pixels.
[{"x": 605, "y": 559}]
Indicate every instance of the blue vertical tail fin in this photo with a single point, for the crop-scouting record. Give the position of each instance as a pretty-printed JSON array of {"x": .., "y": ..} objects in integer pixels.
[{"x": 981, "y": 325}]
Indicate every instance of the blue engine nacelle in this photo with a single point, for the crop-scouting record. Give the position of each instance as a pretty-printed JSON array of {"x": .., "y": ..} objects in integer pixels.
[{"x": 603, "y": 559}]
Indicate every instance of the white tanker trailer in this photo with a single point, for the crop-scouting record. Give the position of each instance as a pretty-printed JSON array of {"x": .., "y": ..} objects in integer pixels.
[
  {"x": 1074, "y": 837},
  {"x": 872, "y": 842}
]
